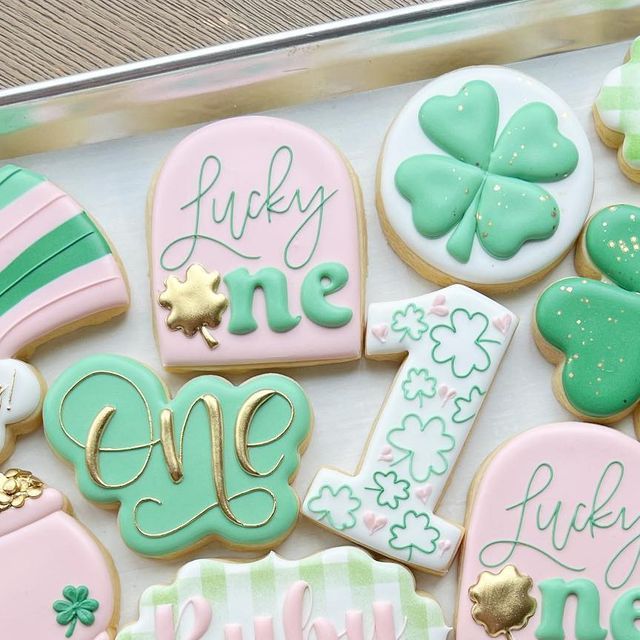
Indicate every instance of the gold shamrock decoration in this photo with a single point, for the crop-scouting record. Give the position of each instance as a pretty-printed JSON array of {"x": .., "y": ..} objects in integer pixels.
[
  {"x": 501, "y": 602},
  {"x": 195, "y": 304},
  {"x": 16, "y": 487}
]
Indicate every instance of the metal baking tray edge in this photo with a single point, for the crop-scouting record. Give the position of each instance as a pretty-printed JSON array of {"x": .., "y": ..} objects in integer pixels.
[{"x": 300, "y": 66}]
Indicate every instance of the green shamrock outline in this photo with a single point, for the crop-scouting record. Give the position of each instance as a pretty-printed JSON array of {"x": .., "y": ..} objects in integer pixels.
[
  {"x": 77, "y": 605},
  {"x": 380, "y": 489},
  {"x": 396, "y": 528},
  {"x": 461, "y": 399},
  {"x": 420, "y": 394},
  {"x": 326, "y": 513},
  {"x": 410, "y": 453},
  {"x": 478, "y": 188},
  {"x": 408, "y": 331},
  {"x": 478, "y": 341}
]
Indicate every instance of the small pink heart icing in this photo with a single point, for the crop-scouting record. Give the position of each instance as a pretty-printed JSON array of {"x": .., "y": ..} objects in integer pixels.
[
  {"x": 446, "y": 393},
  {"x": 380, "y": 331},
  {"x": 444, "y": 546},
  {"x": 502, "y": 323},
  {"x": 373, "y": 522},
  {"x": 438, "y": 307},
  {"x": 423, "y": 493},
  {"x": 386, "y": 455}
]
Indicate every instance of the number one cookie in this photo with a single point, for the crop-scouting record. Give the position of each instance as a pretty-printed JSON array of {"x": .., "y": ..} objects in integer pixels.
[{"x": 455, "y": 340}]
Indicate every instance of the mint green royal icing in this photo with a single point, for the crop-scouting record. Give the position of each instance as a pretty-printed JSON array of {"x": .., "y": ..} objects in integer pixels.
[
  {"x": 15, "y": 182},
  {"x": 555, "y": 593},
  {"x": 242, "y": 286},
  {"x": 595, "y": 324},
  {"x": 487, "y": 188},
  {"x": 320, "y": 282},
  {"x": 624, "y": 616},
  {"x": 613, "y": 244},
  {"x": 161, "y": 513}
]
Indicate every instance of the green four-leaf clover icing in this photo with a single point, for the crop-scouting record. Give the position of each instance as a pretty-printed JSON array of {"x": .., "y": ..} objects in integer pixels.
[
  {"x": 595, "y": 324},
  {"x": 486, "y": 187}
]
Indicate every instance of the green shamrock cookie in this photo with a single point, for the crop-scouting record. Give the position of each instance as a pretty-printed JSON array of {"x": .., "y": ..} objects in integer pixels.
[
  {"x": 486, "y": 187},
  {"x": 589, "y": 327},
  {"x": 214, "y": 461}
]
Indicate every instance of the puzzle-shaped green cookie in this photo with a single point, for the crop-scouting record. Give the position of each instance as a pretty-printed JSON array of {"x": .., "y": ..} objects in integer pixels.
[
  {"x": 589, "y": 325},
  {"x": 215, "y": 461}
]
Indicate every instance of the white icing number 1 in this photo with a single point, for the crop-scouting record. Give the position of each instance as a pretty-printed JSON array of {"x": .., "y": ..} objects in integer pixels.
[{"x": 454, "y": 340}]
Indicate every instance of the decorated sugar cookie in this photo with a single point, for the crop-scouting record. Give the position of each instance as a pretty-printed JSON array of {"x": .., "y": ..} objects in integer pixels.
[
  {"x": 58, "y": 581},
  {"x": 216, "y": 461},
  {"x": 57, "y": 272},
  {"x": 452, "y": 342},
  {"x": 21, "y": 392},
  {"x": 588, "y": 325},
  {"x": 553, "y": 531},
  {"x": 617, "y": 112},
  {"x": 57, "y": 269},
  {"x": 257, "y": 249},
  {"x": 485, "y": 178},
  {"x": 337, "y": 593}
]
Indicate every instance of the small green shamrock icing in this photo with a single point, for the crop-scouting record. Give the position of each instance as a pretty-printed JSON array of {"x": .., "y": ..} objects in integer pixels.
[
  {"x": 463, "y": 343},
  {"x": 336, "y": 506},
  {"x": 409, "y": 322},
  {"x": 76, "y": 606},
  {"x": 425, "y": 446},
  {"x": 391, "y": 490},
  {"x": 593, "y": 325},
  {"x": 418, "y": 385},
  {"x": 405, "y": 535},
  {"x": 487, "y": 186}
]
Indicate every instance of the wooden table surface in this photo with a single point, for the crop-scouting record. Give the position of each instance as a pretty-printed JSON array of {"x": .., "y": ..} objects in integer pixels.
[{"x": 42, "y": 39}]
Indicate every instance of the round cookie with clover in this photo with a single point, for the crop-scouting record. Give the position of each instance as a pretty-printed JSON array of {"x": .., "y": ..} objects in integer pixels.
[
  {"x": 485, "y": 178},
  {"x": 588, "y": 326},
  {"x": 616, "y": 112}
]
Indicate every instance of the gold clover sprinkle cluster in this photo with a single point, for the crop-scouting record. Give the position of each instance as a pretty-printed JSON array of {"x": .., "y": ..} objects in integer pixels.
[
  {"x": 16, "y": 487},
  {"x": 501, "y": 602},
  {"x": 194, "y": 304}
]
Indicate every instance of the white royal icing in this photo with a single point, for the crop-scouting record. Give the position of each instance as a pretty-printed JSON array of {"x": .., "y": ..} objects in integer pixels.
[
  {"x": 572, "y": 194},
  {"x": 455, "y": 339},
  {"x": 20, "y": 394}
]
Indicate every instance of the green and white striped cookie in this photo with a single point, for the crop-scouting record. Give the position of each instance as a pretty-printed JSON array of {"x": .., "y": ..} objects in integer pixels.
[
  {"x": 337, "y": 593},
  {"x": 617, "y": 112}
]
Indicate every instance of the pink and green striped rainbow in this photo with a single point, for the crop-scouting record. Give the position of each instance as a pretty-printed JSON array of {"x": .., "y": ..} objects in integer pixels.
[{"x": 57, "y": 269}]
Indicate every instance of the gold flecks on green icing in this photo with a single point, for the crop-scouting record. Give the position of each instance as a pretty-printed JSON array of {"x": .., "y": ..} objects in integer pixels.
[
  {"x": 487, "y": 187},
  {"x": 596, "y": 324},
  {"x": 618, "y": 104}
]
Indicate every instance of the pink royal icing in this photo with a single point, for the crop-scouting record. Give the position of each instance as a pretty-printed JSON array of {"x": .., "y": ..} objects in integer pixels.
[
  {"x": 258, "y": 193},
  {"x": 44, "y": 549},
  {"x": 559, "y": 503}
]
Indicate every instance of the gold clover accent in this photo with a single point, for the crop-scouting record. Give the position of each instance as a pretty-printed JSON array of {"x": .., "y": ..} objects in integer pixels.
[
  {"x": 195, "y": 304},
  {"x": 502, "y": 603},
  {"x": 16, "y": 487}
]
